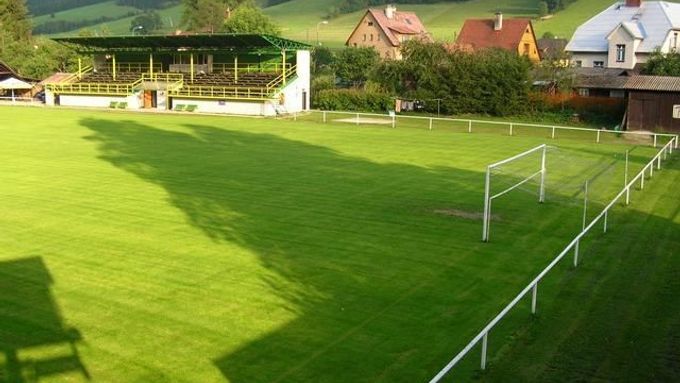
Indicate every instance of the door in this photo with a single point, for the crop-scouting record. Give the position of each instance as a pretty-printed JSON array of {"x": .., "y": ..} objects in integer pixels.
[{"x": 148, "y": 97}]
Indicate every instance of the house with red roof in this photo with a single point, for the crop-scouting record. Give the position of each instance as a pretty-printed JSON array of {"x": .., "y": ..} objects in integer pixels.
[
  {"x": 516, "y": 35},
  {"x": 386, "y": 30}
]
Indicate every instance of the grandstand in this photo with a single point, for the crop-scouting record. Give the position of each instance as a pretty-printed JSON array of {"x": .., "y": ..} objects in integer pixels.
[{"x": 245, "y": 74}]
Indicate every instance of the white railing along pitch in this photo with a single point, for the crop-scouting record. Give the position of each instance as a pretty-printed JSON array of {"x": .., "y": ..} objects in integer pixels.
[
  {"x": 510, "y": 125},
  {"x": 665, "y": 151}
]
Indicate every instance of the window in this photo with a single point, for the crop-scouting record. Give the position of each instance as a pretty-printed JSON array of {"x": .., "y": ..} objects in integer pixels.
[
  {"x": 578, "y": 63},
  {"x": 371, "y": 36},
  {"x": 527, "y": 49},
  {"x": 364, "y": 37},
  {"x": 583, "y": 92},
  {"x": 370, "y": 23},
  {"x": 674, "y": 43},
  {"x": 598, "y": 64},
  {"x": 620, "y": 53}
]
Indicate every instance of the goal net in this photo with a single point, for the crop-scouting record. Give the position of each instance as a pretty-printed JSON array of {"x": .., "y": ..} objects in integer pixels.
[{"x": 529, "y": 165}]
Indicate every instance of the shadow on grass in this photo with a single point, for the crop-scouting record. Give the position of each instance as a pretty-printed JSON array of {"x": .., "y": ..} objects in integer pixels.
[
  {"x": 30, "y": 319},
  {"x": 356, "y": 248}
]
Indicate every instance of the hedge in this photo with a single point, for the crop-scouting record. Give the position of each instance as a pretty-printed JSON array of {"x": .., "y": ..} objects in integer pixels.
[{"x": 353, "y": 99}]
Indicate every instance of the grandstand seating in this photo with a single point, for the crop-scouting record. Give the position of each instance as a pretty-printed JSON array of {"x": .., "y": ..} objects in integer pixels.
[{"x": 222, "y": 79}]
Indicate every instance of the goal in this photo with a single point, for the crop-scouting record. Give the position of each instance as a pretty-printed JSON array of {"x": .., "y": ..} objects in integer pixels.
[{"x": 539, "y": 151}]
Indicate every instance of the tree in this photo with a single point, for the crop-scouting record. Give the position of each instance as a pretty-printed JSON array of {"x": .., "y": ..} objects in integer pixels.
[
  {"x": 250, "y": 19},
  {"x": 322, "y": 60},
  {"x": 203, "y": 15},
  {"x": 542, "y": 8},
  {"x": 146, "y": 23},
  {"x": 660, "y": 64},
  {"x": 14, "y": 21},
  {"x": 354, "y": 64}
]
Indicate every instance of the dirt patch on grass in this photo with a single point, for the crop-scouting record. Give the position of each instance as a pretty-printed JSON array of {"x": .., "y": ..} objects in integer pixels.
[
  {"x": 472, "y": 215},
  {"x": 365, "y": 120}
]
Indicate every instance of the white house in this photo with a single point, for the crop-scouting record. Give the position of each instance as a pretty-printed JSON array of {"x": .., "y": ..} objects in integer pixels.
[{"x": 625, "y": 34}]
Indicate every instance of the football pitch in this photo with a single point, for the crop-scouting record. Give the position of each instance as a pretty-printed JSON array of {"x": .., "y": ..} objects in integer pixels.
[{"x": 169, "y": 248}]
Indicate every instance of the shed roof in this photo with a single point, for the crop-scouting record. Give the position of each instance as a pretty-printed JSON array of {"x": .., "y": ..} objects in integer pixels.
[
  {"x": 653, "y": 83},
  {"x": 206, "y": 42}
]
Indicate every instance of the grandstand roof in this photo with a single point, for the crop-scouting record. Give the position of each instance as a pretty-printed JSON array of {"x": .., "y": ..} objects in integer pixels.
[{"x": 200, "y": 42}]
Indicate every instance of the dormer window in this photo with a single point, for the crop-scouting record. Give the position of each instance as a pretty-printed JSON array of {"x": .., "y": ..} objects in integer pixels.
[{"x": 620, "y": 53}]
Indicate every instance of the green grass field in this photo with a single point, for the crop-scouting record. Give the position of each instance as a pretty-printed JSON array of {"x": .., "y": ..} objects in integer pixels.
[{"x": 161, "y": 248}]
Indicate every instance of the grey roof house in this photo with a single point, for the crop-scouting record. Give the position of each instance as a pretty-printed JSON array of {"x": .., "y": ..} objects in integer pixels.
[{"x": 625, "y": 34}]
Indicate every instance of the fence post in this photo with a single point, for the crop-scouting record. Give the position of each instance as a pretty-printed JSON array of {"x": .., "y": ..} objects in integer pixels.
[
  {"x": 534, "y": 294},
  {"x": 658, "y": 163},
  {"x": 625, "y": 178},
  {"x": 651, "y": 169},
  {"x": 655, "y": 140},
  {"x": 394, "y": 121},
  {"x": 511, "y": 126},
  {"x": 430, "y": 123},
  {"x": 606, "y": 216},
  {"x": 576, "y": 253},
  {"x": 357, "y": 118},
  {"x": 484, "y": 346},
  {"x": 553, "y": 133},
  {"x": 324, "y": 116},
  {"x": 642, "y": 179},
  {"x": 598, "y": 136},
  {"x": 487, "y": 202},
  {"x": 627, "y": 195},
  {"x": 294, "y": 116},
  {"x": 469, "y": 126},
  {"x": 585, "y": 204}
]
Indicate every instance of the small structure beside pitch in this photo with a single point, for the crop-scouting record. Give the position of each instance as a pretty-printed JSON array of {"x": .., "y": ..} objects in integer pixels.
[{"x": 246, "y": 74}]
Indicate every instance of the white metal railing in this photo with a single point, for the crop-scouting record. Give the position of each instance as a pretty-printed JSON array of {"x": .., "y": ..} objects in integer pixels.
[
  {"x": 483, "y": 335},
  {"x": 511, "y": 126}
]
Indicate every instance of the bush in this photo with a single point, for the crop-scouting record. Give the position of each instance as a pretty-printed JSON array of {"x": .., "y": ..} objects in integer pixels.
[{"x": 353, "y": 99}]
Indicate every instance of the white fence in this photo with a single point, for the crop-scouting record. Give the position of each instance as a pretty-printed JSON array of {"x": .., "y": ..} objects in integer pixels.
[
  {"x": 483, "y": 335},
  {"x": 429, "y": 123}
]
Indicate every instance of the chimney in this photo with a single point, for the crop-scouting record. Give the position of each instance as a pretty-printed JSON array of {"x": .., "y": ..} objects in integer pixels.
[
  {"x": 633, "y": 3},
  {"x": 390, "y": 10},
  {"x": 498, "y": 21}
]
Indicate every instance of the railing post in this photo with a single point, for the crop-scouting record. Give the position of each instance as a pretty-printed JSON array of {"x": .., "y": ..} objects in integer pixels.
[
  {"x": 655, "y": 140},
  {"x": 642, "y": 178},
  {"x": 357, "y": 118},
  {"x": 553, "y": 133},
  {"x": 658, "y": 163},
  {"x": 394, "y": 122},
  {"x": 487, "y": 207},
  {"x": 484, "y": 347},
  {"x": 651, "y": 169},
  {"x": 324, "y": 116},
  {"x": 606, "y": 216},
  {"x": 576, "y": 253},
  {"x": 598, "y": 136},
  {"x": 430, "y": 123},
  {"x": 511, "y": 126},
  {"x": 534, "y": 293},
  {"x": 469, "y": 126},
  {"x": 627, "y": 195}
]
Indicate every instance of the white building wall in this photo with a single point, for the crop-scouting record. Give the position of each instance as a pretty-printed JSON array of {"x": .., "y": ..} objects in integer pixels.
[
  {"x": 622, "y": 37},
  {"x": 247, "y": 108},
  {"x": 133, "y": 101},
  {"x": 588, "y": 59}
]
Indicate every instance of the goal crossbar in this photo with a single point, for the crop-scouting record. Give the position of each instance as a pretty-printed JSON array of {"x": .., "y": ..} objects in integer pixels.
[{"x": 487, "y": 189}]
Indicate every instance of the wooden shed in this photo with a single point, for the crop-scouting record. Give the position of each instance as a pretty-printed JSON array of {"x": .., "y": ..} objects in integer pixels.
[{"x": 653, "y": 103}]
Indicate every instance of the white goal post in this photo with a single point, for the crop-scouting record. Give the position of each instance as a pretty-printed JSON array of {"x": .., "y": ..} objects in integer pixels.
[{"x": 488, "y": 198}]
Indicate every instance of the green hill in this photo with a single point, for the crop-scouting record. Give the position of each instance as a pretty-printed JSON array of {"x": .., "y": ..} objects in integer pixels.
[{"x": 300, "y": 19}]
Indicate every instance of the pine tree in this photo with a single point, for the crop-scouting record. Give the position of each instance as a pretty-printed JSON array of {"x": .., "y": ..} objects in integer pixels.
[{"x": 15, "y": 23}]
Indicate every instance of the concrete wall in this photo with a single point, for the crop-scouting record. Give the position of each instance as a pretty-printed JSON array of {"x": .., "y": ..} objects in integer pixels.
[
  {"x": 587, "y": 59},
  {"x": 133, "y": 101},
  {"x": 248, "y": 108},
  {"x": 622, "y": 37}
]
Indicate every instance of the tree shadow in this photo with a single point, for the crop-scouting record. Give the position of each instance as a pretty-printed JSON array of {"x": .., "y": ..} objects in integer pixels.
[
  {"x": 30, "y": 319},
  {"x": 365, "y": 254}
]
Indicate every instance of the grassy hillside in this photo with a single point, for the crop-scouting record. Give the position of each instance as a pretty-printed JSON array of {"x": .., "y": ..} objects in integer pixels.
[
  {"x": 299, "y": 18},
  {"x": 109, "y": 9}
]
